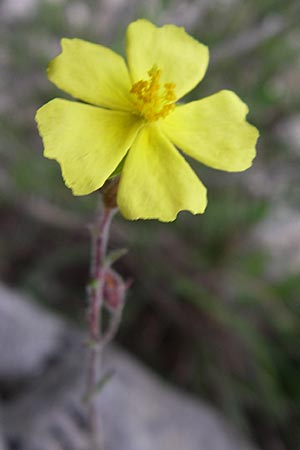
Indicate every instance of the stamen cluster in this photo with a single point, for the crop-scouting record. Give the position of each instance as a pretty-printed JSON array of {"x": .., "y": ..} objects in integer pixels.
[{"x": 154, "y": 101}]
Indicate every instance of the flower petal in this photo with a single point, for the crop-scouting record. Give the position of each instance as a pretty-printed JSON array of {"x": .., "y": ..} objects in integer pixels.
[
  {"x": 156, "y": 181},
  {"x": 92, "y": 73},
  {"x": 214, "y": 131},
  {"x": 181, "y": 58},
  {"x": 87, "y": 141}
]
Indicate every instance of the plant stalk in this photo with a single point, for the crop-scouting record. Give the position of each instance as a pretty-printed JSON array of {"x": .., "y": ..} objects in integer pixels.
[{"x": 100, "y": 236}]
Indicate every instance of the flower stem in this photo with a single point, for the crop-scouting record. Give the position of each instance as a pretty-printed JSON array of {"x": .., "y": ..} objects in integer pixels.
[{"x": 100, "y": 237}]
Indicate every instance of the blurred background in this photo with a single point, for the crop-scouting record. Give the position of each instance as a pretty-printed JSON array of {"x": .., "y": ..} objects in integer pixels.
[{"x": 215, "y": 301}]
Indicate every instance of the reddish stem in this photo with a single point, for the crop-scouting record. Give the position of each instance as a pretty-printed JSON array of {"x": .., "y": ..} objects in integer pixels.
[{"x": 100, "y": 236}]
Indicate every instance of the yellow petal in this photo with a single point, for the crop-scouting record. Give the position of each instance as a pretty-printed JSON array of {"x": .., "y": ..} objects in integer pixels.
[
  {"x": 92, "y": 73},
  {"x": 214, "y": 131},
  {"x": 156, "y": 181},
  {"x": 87, "y": 141},
  {"x": 181, "y": 59}
]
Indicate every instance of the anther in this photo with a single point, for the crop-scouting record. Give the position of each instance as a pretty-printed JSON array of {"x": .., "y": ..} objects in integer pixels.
[{"x": 153, "y": 100}]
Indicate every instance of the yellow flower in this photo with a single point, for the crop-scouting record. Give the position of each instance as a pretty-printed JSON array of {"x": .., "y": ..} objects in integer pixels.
[{"x": 129, "y": 115}]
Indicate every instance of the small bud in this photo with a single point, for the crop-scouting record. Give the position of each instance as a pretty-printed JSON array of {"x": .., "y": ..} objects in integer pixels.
[{"x": 114, "y": 290}]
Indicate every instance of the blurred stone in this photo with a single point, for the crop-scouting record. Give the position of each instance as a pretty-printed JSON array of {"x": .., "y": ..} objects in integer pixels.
[
  {"x": 279, "y": 235},
  {"x": 2, "y": 446},
  {"x": 16, "y": 9},
  {"x": 158, "y": 416},
  {"x": 138, "y": 410},
  {"x": 28, "y": 336},
  {"x": 78, "y": 14},
  {"x": 285, "y": 85},
  {"x": 288, "y": 132}
]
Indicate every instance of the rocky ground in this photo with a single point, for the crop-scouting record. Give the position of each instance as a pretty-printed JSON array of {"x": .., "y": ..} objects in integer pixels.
[{"x": 41, "y": 377}]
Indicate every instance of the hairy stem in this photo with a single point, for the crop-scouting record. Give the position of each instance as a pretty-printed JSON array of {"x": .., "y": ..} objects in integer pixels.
[{"x": 100, "y": 237}]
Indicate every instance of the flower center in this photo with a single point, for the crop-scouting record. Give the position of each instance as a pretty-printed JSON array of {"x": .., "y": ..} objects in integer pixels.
[{"x": 154, "y": 101}]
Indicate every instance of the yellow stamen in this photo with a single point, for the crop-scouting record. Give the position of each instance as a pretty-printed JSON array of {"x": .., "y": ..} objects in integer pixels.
[{"x": 154, "y": 101}]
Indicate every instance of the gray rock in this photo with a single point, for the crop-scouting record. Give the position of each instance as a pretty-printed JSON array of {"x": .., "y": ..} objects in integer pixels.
[
  {"x": 2, "y": 445},
  {"x": 158, "y": 416},
  {"x": 138, "y": 410},
  {"x": 288, "y": 131},
  {"x": 279, "y": 235},
  {"x": 27, "y": 335}
]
